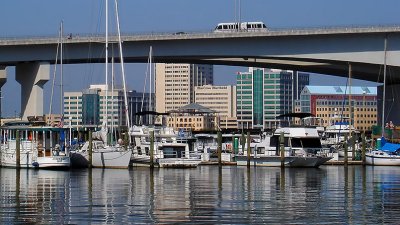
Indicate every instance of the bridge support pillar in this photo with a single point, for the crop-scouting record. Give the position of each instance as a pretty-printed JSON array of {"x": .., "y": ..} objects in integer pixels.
[
  {"x": 3, "y": 80},
  {"x": 3, "y": 76},
  {"x": 32, "y": 77}
]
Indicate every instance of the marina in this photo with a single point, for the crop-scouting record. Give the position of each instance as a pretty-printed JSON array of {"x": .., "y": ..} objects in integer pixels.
[{"x": 204, "y": 112}]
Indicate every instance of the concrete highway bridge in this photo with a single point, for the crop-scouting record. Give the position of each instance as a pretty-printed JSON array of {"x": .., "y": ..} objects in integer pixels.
[{"x": 359, "y": 51}]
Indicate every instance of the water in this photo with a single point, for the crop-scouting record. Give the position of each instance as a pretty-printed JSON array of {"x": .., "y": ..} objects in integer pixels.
[{"x": 205, "y": 195}]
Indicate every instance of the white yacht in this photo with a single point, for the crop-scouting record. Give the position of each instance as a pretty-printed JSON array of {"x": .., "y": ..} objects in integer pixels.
[
  {"x": 302, "y": 149},
  {"x": 171, "y": 148},
  {"x": 40, "y": 146},
  {"x": 207, "y": 145},
  {"x": 335, "y": 133}
]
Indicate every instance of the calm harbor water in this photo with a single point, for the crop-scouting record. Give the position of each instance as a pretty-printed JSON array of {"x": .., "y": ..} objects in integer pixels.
[{"x": 205, "y": 195}]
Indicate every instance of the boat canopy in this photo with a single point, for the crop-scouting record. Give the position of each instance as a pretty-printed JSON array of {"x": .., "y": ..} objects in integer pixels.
[{"x": 390, "y": 147}]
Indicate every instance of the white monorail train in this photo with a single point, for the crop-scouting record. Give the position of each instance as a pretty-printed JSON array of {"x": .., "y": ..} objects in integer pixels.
[{"x": 243, "y": 26}]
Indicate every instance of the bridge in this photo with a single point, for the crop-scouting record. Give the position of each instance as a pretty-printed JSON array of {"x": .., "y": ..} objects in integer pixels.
[{"x": 327, "y": 51}]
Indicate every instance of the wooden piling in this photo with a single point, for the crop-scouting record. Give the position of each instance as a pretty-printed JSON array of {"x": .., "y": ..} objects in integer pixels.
[
  {"x": 18, "y": 149},
  {"x": 248, "y": 149},
  {"x": 353, "y": 147},
  {"x": 282, "y": 148},
  {"x": 363, "y": 148},
  {"x": 90, "y": 150},
  {"x": 346, "y": 159},
  {"x": 219, "y": 149},
  {"x": 242, "y": 141},
  {"x": 233, "y": 153},
  {"x": 152, "y": 149}
]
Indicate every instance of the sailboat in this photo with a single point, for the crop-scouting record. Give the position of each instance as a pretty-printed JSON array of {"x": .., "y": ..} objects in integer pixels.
[
  {"x": 385, "y": 154},
  {"x": 104, "y": 154}
]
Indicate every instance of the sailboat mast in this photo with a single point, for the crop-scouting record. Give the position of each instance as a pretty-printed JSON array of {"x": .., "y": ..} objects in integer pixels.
[
  {"x": 151, "y": 84},
  {"x": 55, "y": 71},
  {"x": 61, "y": 71},
  {"x": 122, "y": 67},
  {"x": 106, "y": 64},
  {"x": 112, "y": 95},
  {"x": 350, "y": 114},
  {"x": 384, "y": 87}
]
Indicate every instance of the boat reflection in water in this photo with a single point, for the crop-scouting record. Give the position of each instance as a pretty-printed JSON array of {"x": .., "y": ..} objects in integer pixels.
[{"x": 207, "y": 194}]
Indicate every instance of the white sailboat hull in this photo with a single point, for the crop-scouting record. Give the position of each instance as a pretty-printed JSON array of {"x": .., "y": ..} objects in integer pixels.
[
  {"x": 382, "y": 160},
  {"x": 112, "y": 159},
  {"x": 102, "y": 159}
]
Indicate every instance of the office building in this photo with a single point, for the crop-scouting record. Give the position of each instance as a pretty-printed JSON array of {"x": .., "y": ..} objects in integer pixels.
[
  {"x": 175, "y": 84},
  {"x": 264, "y": 94},
  {"x": 221, "y": 99},
  {"x": 331, "y": 103},
  {"x": 193, "y": 117},
  {"x": 89, "y": 109}
]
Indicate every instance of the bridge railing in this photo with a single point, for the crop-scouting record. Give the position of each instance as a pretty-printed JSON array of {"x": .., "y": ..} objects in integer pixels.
[{"x": 208, "y": 33}]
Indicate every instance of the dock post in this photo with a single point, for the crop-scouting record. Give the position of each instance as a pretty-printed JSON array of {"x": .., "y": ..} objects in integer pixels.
[
  {"x": 152, "y": 149},
  {"x": 248, "y": 149},
  {"x": 233, "y": 149},
  {"x": 90, "y": 149},
  {"x": 363, "y": 148},
  {"x": 242, "y": 142},
  {"x": 282, "y": 148},
  {"x": 346, "y": 159},
  {"x": 219, "y": 149},
  {"x": 353, "y": 147},
  {"x": 18, "y": 149}
]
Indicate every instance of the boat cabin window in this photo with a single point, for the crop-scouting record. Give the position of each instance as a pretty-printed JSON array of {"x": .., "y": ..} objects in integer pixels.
[
  {"x": 174, "y": 152},
  {"x": 311, "y": 142},
  {"x": 296, "y": 143},
  {"x": 275, "y": 141}
]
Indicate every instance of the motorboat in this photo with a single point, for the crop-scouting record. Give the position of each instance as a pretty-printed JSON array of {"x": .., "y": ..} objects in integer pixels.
[
  {"x": 302, "y": 148},
  {"x": 207, "y": 146},
  {"x": 40, "y": 146},
  {"x": 171, "y": 148}
]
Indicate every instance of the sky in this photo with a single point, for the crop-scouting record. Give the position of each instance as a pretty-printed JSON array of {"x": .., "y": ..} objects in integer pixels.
[{"x": 27, "y": 18}]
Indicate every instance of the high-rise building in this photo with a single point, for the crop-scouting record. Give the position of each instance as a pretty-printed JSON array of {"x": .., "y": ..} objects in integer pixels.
[
  {"x": 88, "y": 108},
  {"x": 221, "y": 99},
  {"x": 331, "y": 103},
  {"x": 264, "y": 94},
  {"x": 175, "y": 84}
]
